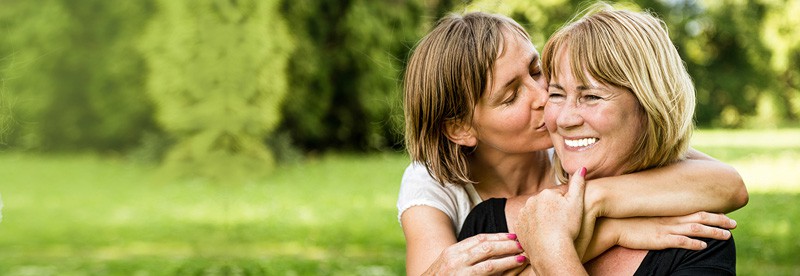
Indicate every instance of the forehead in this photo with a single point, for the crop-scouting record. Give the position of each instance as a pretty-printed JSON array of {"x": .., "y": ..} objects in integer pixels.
[
  {"x": 565, "y": 68},
  {"x": 515, "y": 54}
]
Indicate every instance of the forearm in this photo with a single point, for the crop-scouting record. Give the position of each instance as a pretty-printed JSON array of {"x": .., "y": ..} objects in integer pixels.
[
  {"x": 605, "y": 236},
  {"x": 697, "y": 184},
  {"x": 656, "y": 233}
]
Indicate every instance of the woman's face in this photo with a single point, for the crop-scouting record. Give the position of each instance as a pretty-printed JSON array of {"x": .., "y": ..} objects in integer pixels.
[
  {"x": 593, "y": 125},
  {"x": 510, "y": 117}
]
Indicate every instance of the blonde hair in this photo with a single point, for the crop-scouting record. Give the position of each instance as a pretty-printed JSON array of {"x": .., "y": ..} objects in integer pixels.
[
  {"x": 632, "y": 50},
  {"x": 446, "y": 75}
]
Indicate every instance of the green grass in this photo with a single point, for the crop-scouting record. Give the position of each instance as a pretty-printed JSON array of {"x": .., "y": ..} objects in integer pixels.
[
  {"x": 92, "y": 216},
  {"x": 333, "y": 215}
]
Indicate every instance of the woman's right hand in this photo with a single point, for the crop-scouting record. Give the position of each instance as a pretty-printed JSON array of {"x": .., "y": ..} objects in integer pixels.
[
  {"x": 656, "y": 233},
  {"x": 483, "y": 254}
]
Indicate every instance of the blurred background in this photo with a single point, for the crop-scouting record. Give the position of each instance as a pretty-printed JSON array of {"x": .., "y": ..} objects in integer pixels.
[{"x": 264, "y": 137}]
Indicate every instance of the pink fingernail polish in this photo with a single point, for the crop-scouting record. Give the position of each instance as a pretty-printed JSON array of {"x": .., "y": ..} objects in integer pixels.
[
  {"x": 512, "y": 236},
  {"x": 521, "y": 259},
  {"x": 519, "y": 245},
  {"x": 583, "y": 171}
]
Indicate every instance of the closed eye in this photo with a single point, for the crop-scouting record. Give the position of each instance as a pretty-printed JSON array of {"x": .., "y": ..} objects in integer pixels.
[
  {"x": 512, "y": 97},
  {"x": 592, "y": 98},
  {"x": 555, "y": 97}
]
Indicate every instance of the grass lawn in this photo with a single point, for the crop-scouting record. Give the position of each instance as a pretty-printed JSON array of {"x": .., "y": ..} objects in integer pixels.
[{"x": 333, "y": 215}]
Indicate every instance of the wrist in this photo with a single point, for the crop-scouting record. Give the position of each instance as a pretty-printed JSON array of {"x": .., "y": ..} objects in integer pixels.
[{"x": 594, "y": 199}]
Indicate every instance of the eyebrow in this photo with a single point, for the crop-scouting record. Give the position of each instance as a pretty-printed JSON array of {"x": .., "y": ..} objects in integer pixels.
[{"x": 579, "y": 88}]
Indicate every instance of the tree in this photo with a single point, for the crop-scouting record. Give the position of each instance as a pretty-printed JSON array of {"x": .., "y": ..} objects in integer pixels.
[
  {"x": 73, "y": 76},
  {"x": 217, "y": 75},
  {"x": 345, "y": 75}
]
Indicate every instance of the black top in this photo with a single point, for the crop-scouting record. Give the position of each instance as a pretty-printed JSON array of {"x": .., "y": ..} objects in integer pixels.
[
  {"x": 719, "y": 258},
  {"x": 487, "y": 217}
]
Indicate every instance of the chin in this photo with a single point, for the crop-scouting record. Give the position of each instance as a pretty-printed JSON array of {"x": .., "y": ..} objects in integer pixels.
[{"x": 570, "y": 169}]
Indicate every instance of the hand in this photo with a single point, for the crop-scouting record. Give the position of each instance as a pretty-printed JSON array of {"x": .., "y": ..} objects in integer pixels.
[
  {"x": 656, "y": 233},
  {"x": 548, "y": 225},
  {"x": 483, "y": 254}
]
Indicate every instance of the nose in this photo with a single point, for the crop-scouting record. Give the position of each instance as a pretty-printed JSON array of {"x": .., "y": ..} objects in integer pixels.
[
  {"x": 569, "y": 115},
  {"x": 539, "y": 94}
]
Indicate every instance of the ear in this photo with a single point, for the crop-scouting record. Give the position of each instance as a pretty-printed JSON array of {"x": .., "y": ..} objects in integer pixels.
[{"x": 461, "y": 133}]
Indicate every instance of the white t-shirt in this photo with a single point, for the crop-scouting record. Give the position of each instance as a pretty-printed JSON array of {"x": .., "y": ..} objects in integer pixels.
[{"x": 418, "y": 188}]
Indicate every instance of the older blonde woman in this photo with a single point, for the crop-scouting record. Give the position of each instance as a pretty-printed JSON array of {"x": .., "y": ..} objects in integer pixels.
[
  {"x": 474, "y": 101},
  {"x": 620, "y": 101}
]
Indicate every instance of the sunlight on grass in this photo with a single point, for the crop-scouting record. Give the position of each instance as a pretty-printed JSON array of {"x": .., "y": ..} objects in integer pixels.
[
  {"x": 755, "y": 138},
  {"x": 766, "y": 159},
  {"x": 75, "y": 215}
]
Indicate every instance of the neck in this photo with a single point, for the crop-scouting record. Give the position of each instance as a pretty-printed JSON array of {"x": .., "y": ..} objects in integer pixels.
[{"x": 511, "y": 175}]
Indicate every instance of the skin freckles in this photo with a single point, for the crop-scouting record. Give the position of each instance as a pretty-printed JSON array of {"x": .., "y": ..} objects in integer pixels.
[{"x": 592, "y": 125}]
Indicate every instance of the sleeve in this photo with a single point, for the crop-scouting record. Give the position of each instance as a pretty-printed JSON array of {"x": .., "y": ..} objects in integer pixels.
[
  {"x": 719, "y": 258},
  {"x": 418, "y": 188}
]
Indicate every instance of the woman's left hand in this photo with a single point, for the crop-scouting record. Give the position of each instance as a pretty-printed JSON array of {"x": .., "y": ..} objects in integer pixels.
[{"x": 655, "y": 233}]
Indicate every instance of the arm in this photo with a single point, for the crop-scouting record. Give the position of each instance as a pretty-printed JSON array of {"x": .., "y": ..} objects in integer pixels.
[
  {"x": 699, "y": 183},
  {"x": 431, "y": 247},
  {"x": 656, "y": 233}
]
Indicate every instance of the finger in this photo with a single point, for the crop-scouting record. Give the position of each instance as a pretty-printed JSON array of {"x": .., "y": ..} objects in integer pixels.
[
  {"x": 577, "y": 185},
  {"x": 497, "y": 265},
  {"x": 704, "y": 231},
  {"x": 487, "y": 246},
  {"x": 517, "y": 270},
  {"x": 481, "y": 238},
  {"x": 712, "y": 219},
  {"x": 678, "y": 241}
]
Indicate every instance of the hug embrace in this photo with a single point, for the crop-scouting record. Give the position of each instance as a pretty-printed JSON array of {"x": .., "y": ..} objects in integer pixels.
[{"x": 573, "y": 162}]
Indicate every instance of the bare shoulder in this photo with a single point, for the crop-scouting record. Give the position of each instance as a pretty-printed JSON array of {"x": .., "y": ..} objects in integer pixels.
[{"x": 616, "y": 261}]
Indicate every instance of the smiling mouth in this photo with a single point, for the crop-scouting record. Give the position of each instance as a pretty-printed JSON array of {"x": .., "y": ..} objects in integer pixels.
[{"x": 583, "y": 142}]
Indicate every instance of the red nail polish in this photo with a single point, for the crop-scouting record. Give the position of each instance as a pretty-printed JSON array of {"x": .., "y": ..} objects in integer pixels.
[
  {"x": 521, "y": 259},
  {"x": 583, "y": 171},
  {"x": 519, "y": 245},
  {"x": 512, "y": 236}
]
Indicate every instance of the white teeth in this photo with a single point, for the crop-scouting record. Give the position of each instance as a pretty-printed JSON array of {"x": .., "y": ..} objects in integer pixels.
[{"x": 580, "y": 142}]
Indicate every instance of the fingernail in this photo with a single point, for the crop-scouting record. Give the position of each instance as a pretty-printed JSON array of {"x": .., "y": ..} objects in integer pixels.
[
  {"x": 512, "y": 236},
  {"x": 583, "y": 171},
  {"x": 733, "y": 222},
  {"x": 519, "y": 245},
  {"x": 727, "y": 234},
  {"x": 521, "y": 259},
  {"x": 703, "y": 245}
]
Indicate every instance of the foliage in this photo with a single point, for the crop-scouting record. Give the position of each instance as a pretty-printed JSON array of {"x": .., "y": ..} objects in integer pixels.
[
  {"x": 312, "y": 76},
  {"x": 217, "y": 75},
  {"x": 345, "y": 74},
  {"x": 72, "y": 75}
]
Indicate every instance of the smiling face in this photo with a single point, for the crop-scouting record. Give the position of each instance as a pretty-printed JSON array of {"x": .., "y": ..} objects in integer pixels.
[
  {"x": 509, "y": 118},
  {"x": 592, "y": 124}
]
